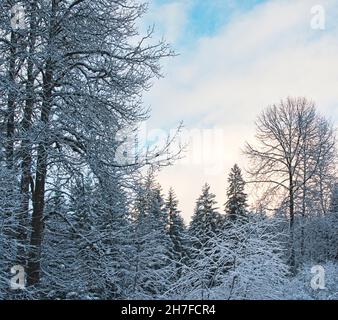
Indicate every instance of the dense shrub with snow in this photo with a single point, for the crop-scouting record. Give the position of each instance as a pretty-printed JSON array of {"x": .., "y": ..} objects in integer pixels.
[{"x": 299, "y": 287}]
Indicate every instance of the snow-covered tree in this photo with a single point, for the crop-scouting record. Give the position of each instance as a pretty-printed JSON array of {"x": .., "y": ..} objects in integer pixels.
[
  {"x": 206, "y": 220},
  {"x": 205, "y": 224},
  {"x": 252, "y": 268},
  {"x": 176, "y": 229},
  {"x": 87, "y": 248},
  {"x": 154, "y": 266},
  {"x": 9, "y": 191},
  {"x": 236, "y": 204},
  {"x": 299, "y": 287},
  {"x": 294, "y": 146},
  {"x": 334, "y": 199},
  {"x": 72, "y": 78}
]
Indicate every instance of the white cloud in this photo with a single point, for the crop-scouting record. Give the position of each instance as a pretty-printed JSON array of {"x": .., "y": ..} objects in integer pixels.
[
  {"x": 170, "y": 19},
  {"x": 225, "y": 80}
]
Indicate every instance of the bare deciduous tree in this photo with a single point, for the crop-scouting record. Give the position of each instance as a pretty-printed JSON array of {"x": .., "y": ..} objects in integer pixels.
[{"x": 294, "y": 145}]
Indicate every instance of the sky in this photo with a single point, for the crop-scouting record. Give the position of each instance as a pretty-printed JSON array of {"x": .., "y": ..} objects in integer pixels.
[{"x": 235, "y": 57}]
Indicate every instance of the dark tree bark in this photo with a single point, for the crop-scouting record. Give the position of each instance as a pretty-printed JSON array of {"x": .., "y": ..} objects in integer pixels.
[
  {"x": 26, "y": 153},
  {"x": 11, "y": 103},
  {"x": 33, "y": 272},
  {"x": 34, "y": 263}
]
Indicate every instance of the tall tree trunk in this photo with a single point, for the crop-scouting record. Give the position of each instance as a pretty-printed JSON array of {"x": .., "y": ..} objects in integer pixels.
[
  {"x": 292, "y": 258},
  {"x": 26, "y": 153},
  {"x": 34, "y": 261},
  {"x": 304, "y": 198},
  {"x": 33, "y": 271},
  {"x": 322, "y": 192},
  {"x": 11, "y": 103}
]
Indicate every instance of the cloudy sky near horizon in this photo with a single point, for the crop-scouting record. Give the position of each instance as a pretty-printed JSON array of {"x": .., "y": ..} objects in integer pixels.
[{"x": 235, "y": 58}]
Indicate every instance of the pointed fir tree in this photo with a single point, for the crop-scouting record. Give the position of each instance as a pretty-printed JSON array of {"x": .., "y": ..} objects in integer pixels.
[
  {"x": 205, "y": 221},
  {"x": 153, "y": 260},
  {"x": 236, "y": 206},
  {"x": 205, "y": 226},
  {"x": 87, "y": 245},
  {"x": 176, "y": 228}
]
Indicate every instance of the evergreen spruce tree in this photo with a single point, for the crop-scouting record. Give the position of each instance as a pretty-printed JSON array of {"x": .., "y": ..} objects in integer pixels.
[
  {"x": 176, "y": 229},
  {"x": 204, "y": 227},
  {"x": 87, "y": 249},
  {"x": 153, "y": 260},
  {"x": 205, "y": 221},
  {"x": 237, "y": 198}
]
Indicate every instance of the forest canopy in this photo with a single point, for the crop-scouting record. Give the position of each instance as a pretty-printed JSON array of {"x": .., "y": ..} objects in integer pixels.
[{"x": 83, "y": 224}]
